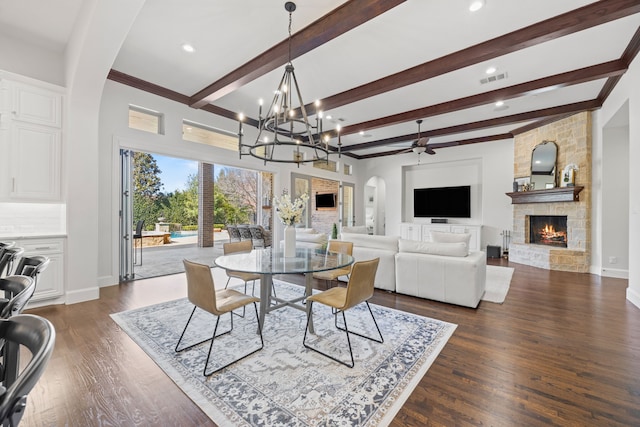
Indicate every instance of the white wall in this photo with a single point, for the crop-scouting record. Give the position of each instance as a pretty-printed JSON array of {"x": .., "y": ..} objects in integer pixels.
[
  {"x": 615, "y": 201},
  {"x": 627, "y": 90},
  {"x": 31, "y": 60},
  {"x": 115, "y": 133},
  {"x": 492, "y": 173}
]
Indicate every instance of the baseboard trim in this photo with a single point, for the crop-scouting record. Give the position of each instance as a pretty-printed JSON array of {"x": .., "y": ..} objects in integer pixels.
[
  {"x": 107, "y": 281},
  {"x": 633, "y": 297},
  {"x": 82, "y": 295},
  {"x": 615, "y": 272}
]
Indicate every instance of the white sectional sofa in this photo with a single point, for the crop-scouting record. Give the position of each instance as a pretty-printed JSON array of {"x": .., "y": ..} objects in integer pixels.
[
  {"x": 443, "y": 271},
  {"x": 367, "y": 247}
]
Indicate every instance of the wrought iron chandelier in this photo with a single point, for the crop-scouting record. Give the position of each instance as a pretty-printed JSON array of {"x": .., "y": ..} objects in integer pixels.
[{"x": 287, "y": 134}]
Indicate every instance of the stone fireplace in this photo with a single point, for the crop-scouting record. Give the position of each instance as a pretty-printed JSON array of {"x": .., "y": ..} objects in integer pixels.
[
  {"x": 550, "y": 230},
  {"x": 573, "y": 138}
]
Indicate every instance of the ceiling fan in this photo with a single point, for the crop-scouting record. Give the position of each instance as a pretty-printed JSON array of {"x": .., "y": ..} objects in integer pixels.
[{"x": 420, "y": 145}]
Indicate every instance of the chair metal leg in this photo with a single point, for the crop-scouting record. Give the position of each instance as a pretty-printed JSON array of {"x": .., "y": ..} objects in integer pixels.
[
  {"x": 347, "y": 332},
  {"x": 206, "y": 374},
  {"x": 198, "y": 343},
  {"x": 304, "y": 339}
]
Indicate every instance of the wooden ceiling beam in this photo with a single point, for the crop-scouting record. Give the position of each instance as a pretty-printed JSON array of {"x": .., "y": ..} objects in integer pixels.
[
  {"x": 337, "y": 22},
  {"x": 582, "y": 75},
  {"x": 483, "y": 124},
  {"x": 488, "y": 138},
  {"x": 596, "y": 13}
]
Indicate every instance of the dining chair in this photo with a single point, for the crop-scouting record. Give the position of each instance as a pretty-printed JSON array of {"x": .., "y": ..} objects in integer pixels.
[
  {"x": 243, "y": 246},
  {"x": 337, "y": 246},
  {"x": 37, "y": 335},
  {"x": 358, "y": 290},
  {"x": 202, "y": 294},
  {"x": 137, "y": 236}
]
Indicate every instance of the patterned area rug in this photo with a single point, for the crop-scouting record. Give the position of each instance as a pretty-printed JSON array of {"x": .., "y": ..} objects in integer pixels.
[
  {"x": 497, "y": 284},
  {"x": 285, "y": 384}
]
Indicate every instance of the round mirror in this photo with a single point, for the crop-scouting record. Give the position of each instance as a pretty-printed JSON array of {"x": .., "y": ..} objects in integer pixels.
[{"x": 543, "y": 165}]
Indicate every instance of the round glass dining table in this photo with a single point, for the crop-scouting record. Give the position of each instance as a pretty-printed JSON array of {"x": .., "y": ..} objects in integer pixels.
[{"x": 268, "y": 262}]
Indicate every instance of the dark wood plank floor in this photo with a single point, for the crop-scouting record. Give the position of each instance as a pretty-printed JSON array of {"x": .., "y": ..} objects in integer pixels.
[{"x": 564, "y": 349}]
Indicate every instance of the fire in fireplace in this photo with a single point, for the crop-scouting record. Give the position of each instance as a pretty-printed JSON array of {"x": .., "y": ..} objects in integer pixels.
[{"x": 548, "y": 230}]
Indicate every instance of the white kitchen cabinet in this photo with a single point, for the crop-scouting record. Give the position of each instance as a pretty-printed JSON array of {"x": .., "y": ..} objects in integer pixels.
[
  {"x": 36, "y": 105},
  {"x": 410, "y": 231},
  {"x": 50, "y": 285},
  {"x": 35, "y": 152},
  {"x": 31, "y": 141}
]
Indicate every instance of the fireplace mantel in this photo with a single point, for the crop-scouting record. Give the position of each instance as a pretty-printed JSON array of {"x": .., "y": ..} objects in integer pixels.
[{"x": 550, "y": 195}]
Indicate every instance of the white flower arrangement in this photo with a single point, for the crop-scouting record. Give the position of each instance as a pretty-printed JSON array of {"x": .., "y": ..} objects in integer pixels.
[{"x": 290, "y": 212}]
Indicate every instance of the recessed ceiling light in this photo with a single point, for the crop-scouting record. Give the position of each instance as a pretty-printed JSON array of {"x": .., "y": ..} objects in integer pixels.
[
  {"x": 491, "y": 70},
  {"x": 361, "y": 132},
  {"x": 328, "y": 116},
  {"x": 188, "y": 48},
  {"x": 499, "y": 103},
  {"x": 475, "y": 5}
]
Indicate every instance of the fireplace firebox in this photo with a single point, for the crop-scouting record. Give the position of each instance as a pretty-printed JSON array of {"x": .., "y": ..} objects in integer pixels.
[{"x": 548, "y": 230}]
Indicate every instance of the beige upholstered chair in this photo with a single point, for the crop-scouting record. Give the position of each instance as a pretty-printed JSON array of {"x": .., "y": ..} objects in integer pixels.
[
  {"x": 358, "y": 290},
  {"x": 341, "y": 247},
  {"x": 202, "y": 294},
  {"x": 242, "y": 247}
]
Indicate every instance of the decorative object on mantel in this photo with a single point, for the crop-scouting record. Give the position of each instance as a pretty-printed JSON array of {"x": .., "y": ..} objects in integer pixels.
[
  {"x": 569, "y": 175},
  {"x": 290, "y": 213},
  {"x": 522, "y": 183},
  {"x": 550, "y": 195},
  {"x": 285, "y": 133}
]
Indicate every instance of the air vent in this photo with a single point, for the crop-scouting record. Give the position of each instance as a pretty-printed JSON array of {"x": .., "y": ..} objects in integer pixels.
[{"x": 494, "y": 78}]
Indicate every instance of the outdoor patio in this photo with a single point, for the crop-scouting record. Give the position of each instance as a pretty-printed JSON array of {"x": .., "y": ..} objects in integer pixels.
[{"x": 167, "y": 259}]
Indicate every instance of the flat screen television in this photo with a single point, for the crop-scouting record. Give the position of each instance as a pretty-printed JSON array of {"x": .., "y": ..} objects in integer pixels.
[
  {"x": 325, "y": 200},
  {"x": 442, "y": 202}
]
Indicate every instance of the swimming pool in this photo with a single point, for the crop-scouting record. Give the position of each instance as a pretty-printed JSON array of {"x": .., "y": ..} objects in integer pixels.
[{"x": 179, "y": 234}]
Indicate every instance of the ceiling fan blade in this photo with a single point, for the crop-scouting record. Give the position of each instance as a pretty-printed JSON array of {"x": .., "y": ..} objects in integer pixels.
[
  {"x": 421, "y": 141},
  {"x": 430, "y": 150}
]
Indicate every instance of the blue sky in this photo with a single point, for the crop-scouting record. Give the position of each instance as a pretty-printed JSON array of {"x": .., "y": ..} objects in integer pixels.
[{"x": 175, "y": 172}]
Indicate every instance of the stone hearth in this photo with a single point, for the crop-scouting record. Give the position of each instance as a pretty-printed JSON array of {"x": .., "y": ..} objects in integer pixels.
[{"x": 573, "y": 137}]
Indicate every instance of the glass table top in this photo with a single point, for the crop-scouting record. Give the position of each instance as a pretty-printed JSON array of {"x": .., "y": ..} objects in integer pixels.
[{"x": 270, "y": 261}]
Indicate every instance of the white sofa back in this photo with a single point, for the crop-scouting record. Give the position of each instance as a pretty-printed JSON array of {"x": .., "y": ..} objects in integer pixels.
[
  {"x": 366, "y": 247},
  {"x": 441, "y": 271}
]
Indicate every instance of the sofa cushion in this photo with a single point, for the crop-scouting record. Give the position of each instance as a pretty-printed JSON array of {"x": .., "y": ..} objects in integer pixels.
[
  {"x": 389, "y": 243},
  {"x": 444, "y": 237},
  {"x": 356, "y": 229},
  {"x": 310, "y": 237},
  {"x": 458, "y": 249},
  {"x": 306, "y": 231}
]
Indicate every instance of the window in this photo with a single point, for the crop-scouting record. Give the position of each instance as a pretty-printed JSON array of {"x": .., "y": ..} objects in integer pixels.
[
  {"x": 323, "y": 164},
  {"x": 146, "y": 120},
  {"x": 197, "y": 132},
  {"x": 347, "y": 169}
]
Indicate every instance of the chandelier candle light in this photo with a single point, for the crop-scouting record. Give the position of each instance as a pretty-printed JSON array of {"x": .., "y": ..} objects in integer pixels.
[
  {"x": 290, "y": 212},
  {"x": 285, "y": 126}
]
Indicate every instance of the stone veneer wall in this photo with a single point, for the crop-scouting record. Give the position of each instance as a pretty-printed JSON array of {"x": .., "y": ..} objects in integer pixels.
[
  {"x": 573, "y": 137},
  {"x": 322, "y": 220}
]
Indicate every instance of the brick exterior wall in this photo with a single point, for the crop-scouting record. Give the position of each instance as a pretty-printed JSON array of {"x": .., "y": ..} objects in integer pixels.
[
  {"x": 205, "y": 205},
  {"x": 573, "y": 138},
  {"x": 322, "y": 219}
]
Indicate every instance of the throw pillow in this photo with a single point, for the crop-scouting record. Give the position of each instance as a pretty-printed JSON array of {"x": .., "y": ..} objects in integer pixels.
[
  {"x": 444, "y": 237},
  {"x": 455, "y": 249}
]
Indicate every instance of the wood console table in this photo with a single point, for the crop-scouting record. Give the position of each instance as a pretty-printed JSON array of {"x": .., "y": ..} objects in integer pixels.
[{"x": 550, "y": 195}]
